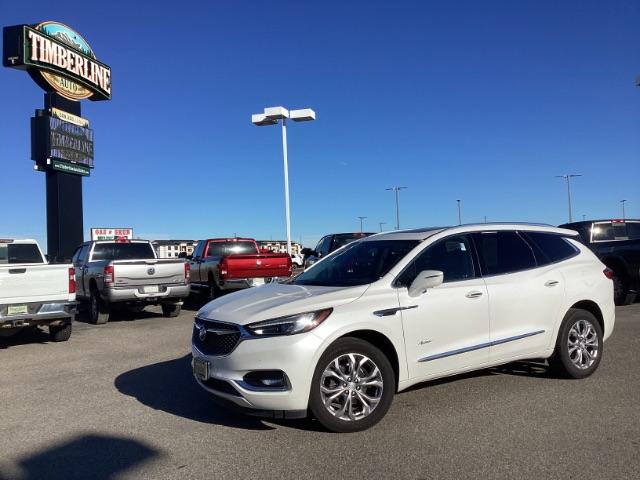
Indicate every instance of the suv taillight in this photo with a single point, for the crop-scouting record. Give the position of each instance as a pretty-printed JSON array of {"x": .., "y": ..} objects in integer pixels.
[
  {"x": 72, "y": 280},
  {"x": 187, "y": 271},
  {"x": 608, "y": 273},
  {"x": 109, "y": 274}
]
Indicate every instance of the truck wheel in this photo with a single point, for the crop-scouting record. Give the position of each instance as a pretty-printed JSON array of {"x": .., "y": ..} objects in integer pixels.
[
  {"x": 214, "y": 291},
  {"x": 60, "y": 333},
  {"x": 579, "y": 345},
  {"x": 353, "y": 386},
  {"x": 171, "y": 309},
  {"x": 98, "y": 310},
  {"x": 621, "y": 294}
]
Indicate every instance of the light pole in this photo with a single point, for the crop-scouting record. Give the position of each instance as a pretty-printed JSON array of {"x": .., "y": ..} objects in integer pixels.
[
  {"x": 623, "y": 202},
  {"x": 271, "y": 116},
  {"x": 382, "y": 223},
  {"x": 459, "y": 213},
  {"x": 397, "y": 190},
  {"x": 361, "y": 222},
  {"x": 568, "y": 178}
]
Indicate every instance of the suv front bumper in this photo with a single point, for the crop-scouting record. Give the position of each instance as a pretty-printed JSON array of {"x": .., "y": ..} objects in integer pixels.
[{"x": 293, "y": 355}]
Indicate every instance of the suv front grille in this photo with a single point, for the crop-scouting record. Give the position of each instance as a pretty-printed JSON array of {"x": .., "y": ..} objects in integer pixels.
[{"x": 220, "y": 339}]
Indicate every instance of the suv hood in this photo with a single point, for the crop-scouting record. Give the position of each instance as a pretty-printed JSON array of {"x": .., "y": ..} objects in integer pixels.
[{"x": 276, "y": 300}]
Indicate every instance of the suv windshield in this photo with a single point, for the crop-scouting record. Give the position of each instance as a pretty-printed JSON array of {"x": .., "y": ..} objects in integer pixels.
[
  {"x": 359, "y": 263},
  {"x": 123, "y": 251}
]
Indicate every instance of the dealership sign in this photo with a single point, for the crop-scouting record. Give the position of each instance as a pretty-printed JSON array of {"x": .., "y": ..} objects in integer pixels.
[
  {"x": 112, "y": 234},
  {"x": 58, "y": 59},
  {"x": 65, "y": 146}
]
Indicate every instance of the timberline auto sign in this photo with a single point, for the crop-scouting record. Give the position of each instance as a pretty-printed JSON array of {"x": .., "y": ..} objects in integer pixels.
[{"x": 58, "y": 59}]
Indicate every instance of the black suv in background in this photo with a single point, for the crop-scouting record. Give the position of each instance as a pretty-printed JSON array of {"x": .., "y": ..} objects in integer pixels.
[
  {"x": 617, "y": 244},
  {"x": 328, "y": 244}
]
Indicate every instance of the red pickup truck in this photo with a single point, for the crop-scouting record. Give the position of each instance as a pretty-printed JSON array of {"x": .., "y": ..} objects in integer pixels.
[{"x": 220, "y": 264}]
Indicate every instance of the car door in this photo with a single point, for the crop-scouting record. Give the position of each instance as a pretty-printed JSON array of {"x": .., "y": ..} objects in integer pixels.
[
  {"x": 525, "y": 297},
  {"x": 446, "y": 329},
  {"x": 79, "y": 260},
  {"x": 195, "y": 262}
]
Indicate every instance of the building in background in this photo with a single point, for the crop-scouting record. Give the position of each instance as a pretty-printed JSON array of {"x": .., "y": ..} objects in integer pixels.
[
  {"x": 173, "y": 248},
  {"x": 279, "y": 246}
]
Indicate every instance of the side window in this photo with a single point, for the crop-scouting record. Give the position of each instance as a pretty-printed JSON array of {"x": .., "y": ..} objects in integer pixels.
[
  {"x": 81, "y": 255},
  {"x": 451, "y": 255},
  {"x": 554, "y": 248},
  {"x": 503, "y": 252}
]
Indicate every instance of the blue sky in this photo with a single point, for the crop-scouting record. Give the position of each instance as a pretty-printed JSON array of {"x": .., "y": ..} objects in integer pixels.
[{"x": 482, "y": 101}]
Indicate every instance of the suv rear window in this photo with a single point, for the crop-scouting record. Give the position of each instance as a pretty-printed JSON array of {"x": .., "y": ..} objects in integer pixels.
[
  {"x": 19, "y": 253},
  {"x": 611, "y": 231},
  {"x": 123, "y": 251},
  {"x": 551, "y": 247}
]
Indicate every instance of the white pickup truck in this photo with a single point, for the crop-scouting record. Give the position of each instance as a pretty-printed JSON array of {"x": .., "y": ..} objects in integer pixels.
[{"x": 34, "y": 293}]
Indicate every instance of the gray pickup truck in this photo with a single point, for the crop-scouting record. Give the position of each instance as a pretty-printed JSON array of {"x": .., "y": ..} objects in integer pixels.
[{"x": 128, "y": 274}]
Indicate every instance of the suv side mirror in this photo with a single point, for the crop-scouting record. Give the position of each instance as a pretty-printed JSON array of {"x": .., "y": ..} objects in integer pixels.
[{"x": 425, "y": 280}]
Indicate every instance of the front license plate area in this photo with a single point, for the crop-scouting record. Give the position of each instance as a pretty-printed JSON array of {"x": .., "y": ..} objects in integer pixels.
[
  {"x": 201, "y": 368},
  {"x": 17, "y": 309},
  {"x": 151, "y": 289}
]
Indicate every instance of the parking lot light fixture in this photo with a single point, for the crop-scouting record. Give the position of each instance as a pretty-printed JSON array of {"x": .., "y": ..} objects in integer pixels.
[
  {"x": 623, "y": 214},
  {"x": 397, "y": 192},
  {"x": 382, "y": 223},
  {"x": 459, "y": 212},
  {"x": 272, "y": 116},
  {"x": 568, "y": 178},
  {"x": 361, "y": 222}
]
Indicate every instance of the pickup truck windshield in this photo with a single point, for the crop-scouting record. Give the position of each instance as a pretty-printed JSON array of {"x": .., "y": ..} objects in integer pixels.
[
  {"x": 19, "y": 253},
  {"x": 358, "y": 263},
  {"x": 123, "y": 251}
]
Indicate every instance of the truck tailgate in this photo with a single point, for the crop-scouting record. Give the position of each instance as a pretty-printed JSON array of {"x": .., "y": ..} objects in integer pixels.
[
  {"x": 133, "y": 273},
  {"x": 255, "y": 266},
  {"x": 33, "y": 283}
]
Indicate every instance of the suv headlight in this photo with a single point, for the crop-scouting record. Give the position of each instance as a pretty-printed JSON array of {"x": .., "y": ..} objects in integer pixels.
[{"x": 289, "y": 325}]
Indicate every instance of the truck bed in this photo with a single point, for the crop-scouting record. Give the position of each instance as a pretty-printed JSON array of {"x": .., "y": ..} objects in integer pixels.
[{"x": 260, "y": 265}]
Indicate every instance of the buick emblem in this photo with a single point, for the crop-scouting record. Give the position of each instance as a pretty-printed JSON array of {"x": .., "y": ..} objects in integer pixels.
[
  {"x": 202, "y": 332},
  {"x": 151, "y": 270}
]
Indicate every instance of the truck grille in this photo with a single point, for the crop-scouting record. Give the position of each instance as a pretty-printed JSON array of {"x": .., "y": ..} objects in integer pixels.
[{"x": 220, "y": 339}]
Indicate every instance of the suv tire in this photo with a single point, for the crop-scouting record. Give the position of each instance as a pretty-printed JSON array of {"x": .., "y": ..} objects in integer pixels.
[
  {"x": 60, "y": 333},
  {"x": 621, "y": 295},
  {"x": 352, "y": 387},
  {"x": 98, "y": 310},
  {"x": 579, "y": 345}
]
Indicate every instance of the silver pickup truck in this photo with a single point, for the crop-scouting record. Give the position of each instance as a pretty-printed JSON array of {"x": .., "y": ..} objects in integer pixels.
[{"x": 128, "y": 273}]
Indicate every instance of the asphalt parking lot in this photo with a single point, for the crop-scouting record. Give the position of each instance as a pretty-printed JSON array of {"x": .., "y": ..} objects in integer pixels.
[{"x": 118, "y": 401}]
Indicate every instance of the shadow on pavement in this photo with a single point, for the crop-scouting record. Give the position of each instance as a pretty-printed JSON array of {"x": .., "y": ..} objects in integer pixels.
[
  {"x": 169, "y": 386},
  {"x": 25, "y": 336},
  {"x": 96, "y": 457}
]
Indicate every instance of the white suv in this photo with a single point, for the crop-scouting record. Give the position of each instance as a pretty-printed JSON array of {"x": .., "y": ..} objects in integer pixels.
[{"x": 396, "y": 309}]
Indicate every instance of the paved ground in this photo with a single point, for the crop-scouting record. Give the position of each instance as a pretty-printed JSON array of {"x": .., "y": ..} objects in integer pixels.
[{"x": 118, "y": 401}]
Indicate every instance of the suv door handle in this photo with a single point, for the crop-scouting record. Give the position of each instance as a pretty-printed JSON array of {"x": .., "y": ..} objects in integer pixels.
[
  {"x": 473, "y": 294},
  {"x": 551, "y": 283}
]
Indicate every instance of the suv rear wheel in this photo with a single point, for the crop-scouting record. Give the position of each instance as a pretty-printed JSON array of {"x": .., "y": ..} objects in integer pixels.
[
  {"x": 353, "y": 386},
  {"x": 579, "y": 345}
]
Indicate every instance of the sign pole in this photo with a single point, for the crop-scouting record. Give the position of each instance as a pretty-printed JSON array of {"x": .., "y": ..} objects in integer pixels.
[{"x": 64, "y": 199}]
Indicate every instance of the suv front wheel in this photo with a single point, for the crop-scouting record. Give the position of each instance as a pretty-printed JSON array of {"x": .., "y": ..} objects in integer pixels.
[{"x": 353, "y": 386}]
